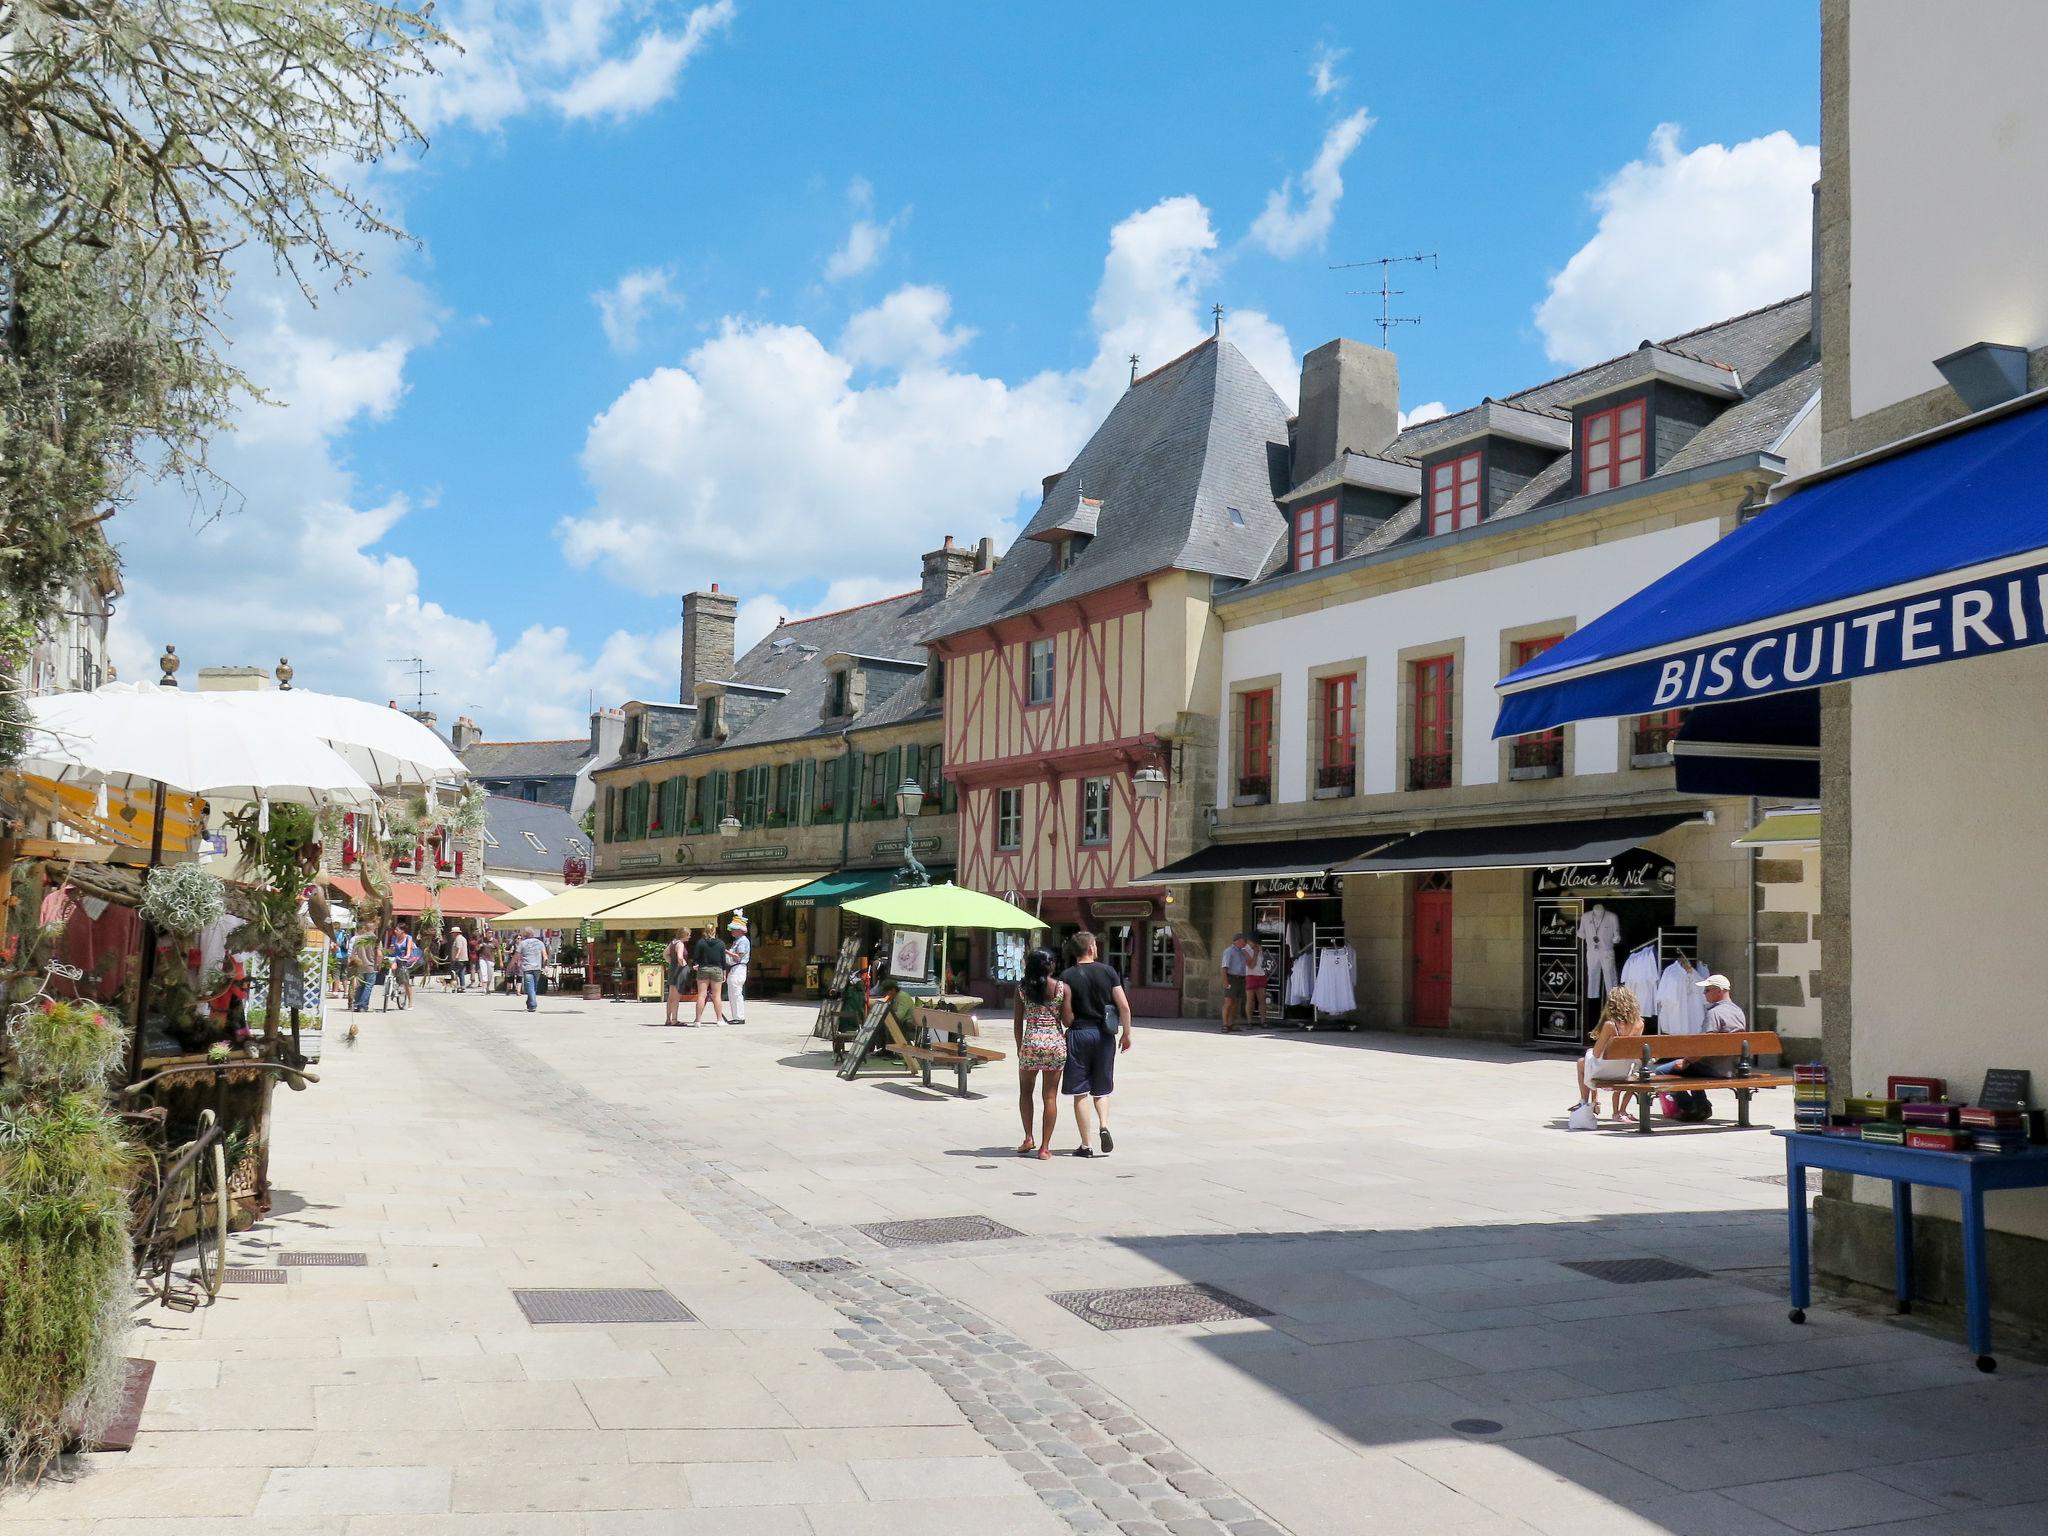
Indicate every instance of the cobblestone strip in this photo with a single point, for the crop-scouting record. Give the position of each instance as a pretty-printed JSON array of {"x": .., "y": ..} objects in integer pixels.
[{"x": 1090, "y": 1459}]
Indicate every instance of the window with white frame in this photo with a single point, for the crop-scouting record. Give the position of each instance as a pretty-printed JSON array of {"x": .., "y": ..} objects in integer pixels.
[
  {"x": 1454, "y": 494},
  {"x": 1038, "y": 672},
  {"x": 1009, "y": 820},
  {"x": 1095, "y": 812},
  {"x": 1160, "y": 956}
]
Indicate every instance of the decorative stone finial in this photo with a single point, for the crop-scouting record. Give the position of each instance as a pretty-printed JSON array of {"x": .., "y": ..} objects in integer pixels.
[
  {"x": 284, "y": 671},
  {"x": 169, "y": 663}
]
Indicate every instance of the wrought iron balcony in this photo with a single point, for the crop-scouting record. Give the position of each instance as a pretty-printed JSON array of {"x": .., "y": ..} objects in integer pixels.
[
  {"x": 1538, "y": 757},
  {"x": 1336, "y": 780},
  {"x": 1429, "y": 770},
  {"x": 1254, "y": 788}
]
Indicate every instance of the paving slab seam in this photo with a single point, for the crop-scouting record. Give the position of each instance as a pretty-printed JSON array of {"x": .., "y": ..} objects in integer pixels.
[{"x": 1090, "y": 1459}]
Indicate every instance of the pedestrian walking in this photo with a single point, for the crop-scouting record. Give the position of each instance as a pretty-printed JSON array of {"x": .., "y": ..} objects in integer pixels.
[
  {"x": 676, "y": 976},
  {"x": 1093, "y": 992},
  {"x": 1040, "y": 1026},
  {"x": 362, "y": 971},
  {"x": 738, "y": 951},
  {"x": 458, "y": 958},
  {"x": 532, "y": 956},
  {"x": 707, "y": 955},
  {"x": 1237, "y": 960},
  {"x": 480, "y": 949}
]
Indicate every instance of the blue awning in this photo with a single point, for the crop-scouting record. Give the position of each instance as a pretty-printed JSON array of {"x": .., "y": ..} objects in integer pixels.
[
  {"x": 1766, "y": 746},
  {"x": 1929, "y": 551}
]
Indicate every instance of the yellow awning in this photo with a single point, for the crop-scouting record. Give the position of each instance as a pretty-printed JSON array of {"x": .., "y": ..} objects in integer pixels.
[
  {"x": 127, "y": 823},
  {"x": 572, "y": 906},
  {"x": 1800, "y": 828},
  {"x": 701, "y": 902}
]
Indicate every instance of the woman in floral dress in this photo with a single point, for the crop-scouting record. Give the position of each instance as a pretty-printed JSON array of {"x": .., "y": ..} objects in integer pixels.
[{"x": 1041, "y": 1048}]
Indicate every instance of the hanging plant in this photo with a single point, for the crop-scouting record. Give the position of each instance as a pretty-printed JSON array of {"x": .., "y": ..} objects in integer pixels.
[
  {"x": 472, "y": 809},
  {"x": 183, "y": 899}
]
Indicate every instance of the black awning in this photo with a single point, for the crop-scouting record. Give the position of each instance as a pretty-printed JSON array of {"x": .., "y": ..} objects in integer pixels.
[
  {"x": 1271, "y": 858},
  {"x": 1762, "y": 746},
  {"x": 1515, "y": 845}
]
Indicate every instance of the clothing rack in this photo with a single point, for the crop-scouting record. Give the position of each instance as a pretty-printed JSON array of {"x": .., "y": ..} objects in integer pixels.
[
  {"x": 1325, "y": 936},
  {"x": 1676, "y": 941}
]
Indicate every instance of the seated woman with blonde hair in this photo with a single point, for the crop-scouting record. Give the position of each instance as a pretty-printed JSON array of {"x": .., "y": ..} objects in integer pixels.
[{"x": 1619, "y": 1015}]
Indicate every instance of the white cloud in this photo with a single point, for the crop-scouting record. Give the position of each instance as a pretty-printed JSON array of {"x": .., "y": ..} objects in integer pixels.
[
  {"x": 588, "y": 58},
  {"x": 628, "y": 303},
  {"x": 1322, "y": 70},
  {"x": 1287, "y": 228},
  {"x": 866, "y": 240},
  {"x": 906, "y": 330},
  {"x": 1684, "y": 239},
  {"x": 867, "y": 476},
  {"x": 1421, "y": 413}
]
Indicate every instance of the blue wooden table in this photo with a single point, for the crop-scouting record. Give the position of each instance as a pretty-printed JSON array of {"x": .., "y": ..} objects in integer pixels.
[{"x": 1969, "y": 1174}]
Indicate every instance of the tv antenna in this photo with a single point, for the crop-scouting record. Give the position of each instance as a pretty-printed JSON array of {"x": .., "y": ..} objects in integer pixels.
[
  {"x": 1386, "y": 290},
  {"x": 420, "y": 673}
]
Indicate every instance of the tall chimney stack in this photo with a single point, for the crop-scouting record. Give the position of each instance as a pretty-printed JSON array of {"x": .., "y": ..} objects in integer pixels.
[
  {"x": 708, "y": 622},
  {"x": 1350, "y": 398},
  {"x": 945, "y": 568}
]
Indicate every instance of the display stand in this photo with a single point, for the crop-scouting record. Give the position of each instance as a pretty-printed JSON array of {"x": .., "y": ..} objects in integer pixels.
[{"x": 829, "y": 1005}]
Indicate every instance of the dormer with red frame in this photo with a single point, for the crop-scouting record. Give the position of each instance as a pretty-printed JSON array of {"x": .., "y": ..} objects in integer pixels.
[
  {"x": 1477, "y": 462},
  {"x": 1630, "y": 418}
]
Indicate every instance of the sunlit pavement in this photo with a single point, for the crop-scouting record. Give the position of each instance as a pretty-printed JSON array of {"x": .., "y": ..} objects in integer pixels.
[{"x": 1400, "y": 1216}]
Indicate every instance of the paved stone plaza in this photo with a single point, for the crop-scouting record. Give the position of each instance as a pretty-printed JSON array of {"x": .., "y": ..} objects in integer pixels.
[{"x": 1401, "y": 1218}]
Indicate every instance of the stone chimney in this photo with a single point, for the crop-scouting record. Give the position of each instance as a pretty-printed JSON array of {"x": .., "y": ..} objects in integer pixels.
[
  {"x": 985, "y": 556},
  {"x": 426, "y": 717},
  {"x": 945, "y": 568},
  {"x": 234, "y": 680},
  {"x": 1350, "y": 398},
  {"x": 607, "y": 735},
  {"x": 467, "y": 733},
  {"x": 708, "y": 621}
]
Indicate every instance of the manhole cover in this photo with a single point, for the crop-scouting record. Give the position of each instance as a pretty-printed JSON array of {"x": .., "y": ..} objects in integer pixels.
[
  {"x": 323, "y": 1260},
  {"x": 602, "y": 1306},
  {"x": 1156, "y": 1306},
  {"x": 1476, "y": 1426},
  {"x": 936, "y": 1229},
  {"x": 809, "y": 1266},
  {"x": 1636, "y": 1271},
  {"x": 253, "y": 1277}
]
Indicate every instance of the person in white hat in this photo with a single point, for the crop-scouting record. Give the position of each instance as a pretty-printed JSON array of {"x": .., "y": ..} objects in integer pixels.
[
  {"x": 1723, "y": 1018},
  {"x": 738, "y": 950}
]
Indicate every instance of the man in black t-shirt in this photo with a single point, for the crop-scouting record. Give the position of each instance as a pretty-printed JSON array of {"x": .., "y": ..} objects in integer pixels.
[{"x": 1094, "y": 992}]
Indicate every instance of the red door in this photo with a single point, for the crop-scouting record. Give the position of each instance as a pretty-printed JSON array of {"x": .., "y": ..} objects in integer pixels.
[{"x": 1433, "y": 953}]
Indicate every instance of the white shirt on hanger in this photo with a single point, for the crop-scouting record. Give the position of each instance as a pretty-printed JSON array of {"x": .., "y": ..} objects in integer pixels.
[
  {"x": 1681, "y": 1010},
  {"x": 1639, "y": 975}
]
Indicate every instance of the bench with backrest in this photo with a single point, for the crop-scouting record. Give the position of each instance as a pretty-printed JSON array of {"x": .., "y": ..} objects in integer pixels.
[
  {"x": 1657, "y": 1049},
  {"x": 942, "y": 1038}
]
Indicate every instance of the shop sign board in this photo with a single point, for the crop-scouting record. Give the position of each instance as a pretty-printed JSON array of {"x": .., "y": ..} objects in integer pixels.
[
  {"x": 1638, "y": 872},
  {"x": 1136, "y": 908},
  {"x": 864, "y": 1041},
  {"x": 1287, "y": 885},
  {"x": 895, "y": 845},
  {"x": 640, "y": 861},
  {"x": 650, "y": 983},
  {"x": 751, "y": 855}
]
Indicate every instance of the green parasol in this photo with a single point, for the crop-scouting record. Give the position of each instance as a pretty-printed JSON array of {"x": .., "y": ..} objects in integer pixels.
[{"x": 944, "y": 907}]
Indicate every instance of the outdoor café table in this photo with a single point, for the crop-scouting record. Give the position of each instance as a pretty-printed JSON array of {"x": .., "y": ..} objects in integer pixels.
[{"x": 1969, "y": 1174}]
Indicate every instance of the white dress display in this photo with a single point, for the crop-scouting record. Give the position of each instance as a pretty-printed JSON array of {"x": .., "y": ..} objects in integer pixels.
[
  {"x": 1599, "y": 931},
  {"x": 1639, "y": 975},
  {"x": 1681, "y": 1009},
  {"x": 1301, "y": 981},
  {"x": 1336, "y": 985}
]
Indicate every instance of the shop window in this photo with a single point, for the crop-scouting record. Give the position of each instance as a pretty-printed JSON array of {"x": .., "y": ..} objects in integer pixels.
[
  {"x": 931, "y": 777},
  {"x": 1255, "y": 746},
  {"x": 1454, "y": 499},
  {"x": 1009, "y": 820},
  {"x": 1337, "y": 768},
  {"x": 1119, "y": 949},
  {"x": 1095, "y": 813},
  {"x": 1435, "y": 707},
  {"x": 1161, "y": 958},
  {"x": 1315, "y": 536},
  {"x": 1038, "y": 656},
  {"x": 831, "y": 775},
  {"x": 1611, "y": 447},
  {"x": 1539, "y": 755},
  {"x": 1650, "y": 744}
]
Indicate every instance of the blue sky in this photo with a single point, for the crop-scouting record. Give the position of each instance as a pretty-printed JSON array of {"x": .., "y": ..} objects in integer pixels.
[{"x": 775, "y": 295}]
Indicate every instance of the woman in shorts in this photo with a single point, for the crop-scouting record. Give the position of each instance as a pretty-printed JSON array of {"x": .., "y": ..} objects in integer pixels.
[
  {"x": 1041, "y": 1048},
  {"x": 1619, "y": 1016}
]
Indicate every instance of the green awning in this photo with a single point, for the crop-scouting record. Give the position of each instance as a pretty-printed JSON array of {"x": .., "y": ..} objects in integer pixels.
[
  {"x": 844, "y": 885},
  {"x": 1782, "y": 828}
]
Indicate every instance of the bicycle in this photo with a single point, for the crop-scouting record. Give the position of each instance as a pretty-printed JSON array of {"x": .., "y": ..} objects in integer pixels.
[{"x": 195, "y": 1184}]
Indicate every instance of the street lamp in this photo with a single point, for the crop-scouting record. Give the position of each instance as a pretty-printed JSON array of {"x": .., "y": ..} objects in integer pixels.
[
  {"x": 909, "y": 801},
  {"x": 1149, "y": 784},
  {"x": 729, "y": 826}
]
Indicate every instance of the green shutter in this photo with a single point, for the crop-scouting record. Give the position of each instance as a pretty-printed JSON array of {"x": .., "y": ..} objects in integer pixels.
[
  {"x": 913, "y": 763},
  {"x": 949, "y": 797},
  {"x": 611, "y": 800},
  {"x": 892, "y": 775}
]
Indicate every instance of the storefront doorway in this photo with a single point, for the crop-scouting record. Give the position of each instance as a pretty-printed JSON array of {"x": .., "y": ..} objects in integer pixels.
[
  {"x": 1574, "y": 943},
  {"x": 1431, "y": 1008},
  {"x": 1294, "y": 919}
]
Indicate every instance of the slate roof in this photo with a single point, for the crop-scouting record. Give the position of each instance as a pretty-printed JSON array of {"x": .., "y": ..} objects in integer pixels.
[
  {"x": 792, "y": 659},
  {"x": 508, "y": 821},
  {"x": 1769, "y": 349},
  {"x": 1184, "y": 448},
  {"x": 526, "y": 759}
]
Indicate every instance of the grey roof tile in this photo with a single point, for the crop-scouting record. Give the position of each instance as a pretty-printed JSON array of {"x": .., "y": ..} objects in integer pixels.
[
  {"x": 526, "y": 759},
  {"x": 508, "y": 821}
]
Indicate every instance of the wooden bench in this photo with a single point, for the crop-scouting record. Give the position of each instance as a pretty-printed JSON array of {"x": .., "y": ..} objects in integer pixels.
[
  {"x": 1653, "y": 1049},
  {"x": 951, "y": 1042}
]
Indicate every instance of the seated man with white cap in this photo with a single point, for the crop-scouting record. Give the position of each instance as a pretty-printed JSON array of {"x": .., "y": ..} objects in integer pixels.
[
  {"x": 1724, "y": 1017},
  {"x": 738, "y": 950}
]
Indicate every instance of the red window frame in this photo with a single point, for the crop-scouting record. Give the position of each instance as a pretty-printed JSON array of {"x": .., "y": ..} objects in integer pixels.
[
  {"x": 1255, "y": 749},
  {"x": 1527, "y": 651},
  {"x": 1315, "y": 535},
  {"x": 1613, "y": 446},
  {"x": 1340, "y": 722},
  {"x": 1454, "y": 492},
  {"x": 1435, "y": 705}
]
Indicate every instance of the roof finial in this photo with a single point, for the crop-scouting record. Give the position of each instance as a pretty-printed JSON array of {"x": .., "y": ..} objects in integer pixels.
[
  {"x": 1134, "y": 367},
  {"x": 1217, "y": 311}
]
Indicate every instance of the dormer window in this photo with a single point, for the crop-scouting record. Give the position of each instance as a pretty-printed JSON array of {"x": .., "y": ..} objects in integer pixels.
[
  {"x": 1315, "y": 535},
  {"x": 707, "y": 716},
  {"x": 1454, "y": 496},
  {"x": 1611, "y": 447},
  {"x": 1067, "y": 550},
  {"x": 842, "y": 692},
  {"x": 636, "y": 735}
]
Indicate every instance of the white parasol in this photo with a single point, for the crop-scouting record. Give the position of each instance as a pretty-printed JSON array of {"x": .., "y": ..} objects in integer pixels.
[{"x": 385, "y": 745}]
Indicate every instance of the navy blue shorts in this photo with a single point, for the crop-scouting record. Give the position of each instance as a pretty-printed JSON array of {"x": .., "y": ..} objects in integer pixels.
[{"x": 1091, "y": 1061}]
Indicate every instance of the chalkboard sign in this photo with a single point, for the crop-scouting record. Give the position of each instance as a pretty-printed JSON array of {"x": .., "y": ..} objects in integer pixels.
[
  {"x": 827, "y": 1022},
  {"x": 2004, "y": 1088},
  {"x": 864, "y": 1039}
]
